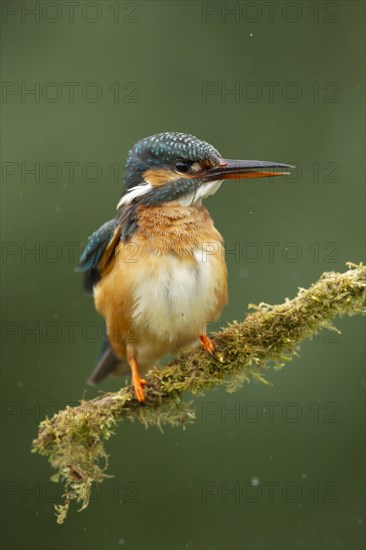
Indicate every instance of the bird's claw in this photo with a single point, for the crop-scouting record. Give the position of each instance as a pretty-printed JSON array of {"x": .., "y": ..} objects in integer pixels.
[
  {"x": 138, "y": 384},
  {"x": 207, "y": 344}
]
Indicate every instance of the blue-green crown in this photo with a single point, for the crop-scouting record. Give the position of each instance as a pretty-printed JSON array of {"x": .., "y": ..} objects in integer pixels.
[{"x": 161, "y": 150}]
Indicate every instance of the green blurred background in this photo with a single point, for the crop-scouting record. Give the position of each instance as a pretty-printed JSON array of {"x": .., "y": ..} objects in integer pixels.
[{"x": 293, "y": 453}]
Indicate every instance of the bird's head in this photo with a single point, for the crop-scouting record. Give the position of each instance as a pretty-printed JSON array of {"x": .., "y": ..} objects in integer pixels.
[{"x": 177, "y": 167}]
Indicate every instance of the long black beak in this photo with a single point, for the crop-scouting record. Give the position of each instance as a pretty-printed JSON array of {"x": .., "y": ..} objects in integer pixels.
[{"x": 239, "y": 169}]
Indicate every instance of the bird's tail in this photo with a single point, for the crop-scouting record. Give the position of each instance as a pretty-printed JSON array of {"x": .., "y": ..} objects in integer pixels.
[{"x": 108, "y": 363}]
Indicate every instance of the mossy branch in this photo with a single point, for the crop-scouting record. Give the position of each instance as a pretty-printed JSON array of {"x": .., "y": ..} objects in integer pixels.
[{"x": 73, "y": 439}]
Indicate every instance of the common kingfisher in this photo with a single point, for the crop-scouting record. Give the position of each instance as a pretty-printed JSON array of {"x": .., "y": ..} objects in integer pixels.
[{"x": 157, "y": 270}]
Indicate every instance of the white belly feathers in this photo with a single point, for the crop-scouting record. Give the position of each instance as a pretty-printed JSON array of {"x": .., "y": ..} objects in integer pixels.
[{"x": 178, "y": 296}]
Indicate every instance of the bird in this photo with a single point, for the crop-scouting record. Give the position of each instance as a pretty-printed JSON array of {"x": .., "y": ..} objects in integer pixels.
[{"x": 157, "y": 269}]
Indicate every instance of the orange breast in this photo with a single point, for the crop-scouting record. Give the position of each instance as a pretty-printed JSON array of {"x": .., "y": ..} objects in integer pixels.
[{"x": 164, "y": 285}]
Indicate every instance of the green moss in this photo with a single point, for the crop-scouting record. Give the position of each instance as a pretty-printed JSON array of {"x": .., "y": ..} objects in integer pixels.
[{"x": 73, "y": 439}]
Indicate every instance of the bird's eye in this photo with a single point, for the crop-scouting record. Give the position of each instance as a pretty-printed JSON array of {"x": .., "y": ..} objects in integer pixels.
[{"x": 182, "y": 166}]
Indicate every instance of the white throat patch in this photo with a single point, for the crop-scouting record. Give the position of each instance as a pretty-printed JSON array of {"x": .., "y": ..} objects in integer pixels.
[{"x": 203, "y": 191}]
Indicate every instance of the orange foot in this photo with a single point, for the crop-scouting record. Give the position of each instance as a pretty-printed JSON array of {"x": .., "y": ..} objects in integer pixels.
[
  {"x": 137, "y": 381},
  {"x": 138, "y": 384},
  {"x": 207, "y": 344}
]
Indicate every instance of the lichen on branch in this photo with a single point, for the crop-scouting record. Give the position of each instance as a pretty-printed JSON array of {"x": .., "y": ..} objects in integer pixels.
[{"x": 73, "y": 439}]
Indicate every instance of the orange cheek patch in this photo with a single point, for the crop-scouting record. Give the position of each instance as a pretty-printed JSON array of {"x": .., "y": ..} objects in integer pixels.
[{"x": 159, "y": 176}]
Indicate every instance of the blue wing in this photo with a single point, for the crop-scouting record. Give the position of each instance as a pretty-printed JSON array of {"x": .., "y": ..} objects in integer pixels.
[
  {"x": 101, "y": 244},
  {"x": 98, "y": 251}
]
